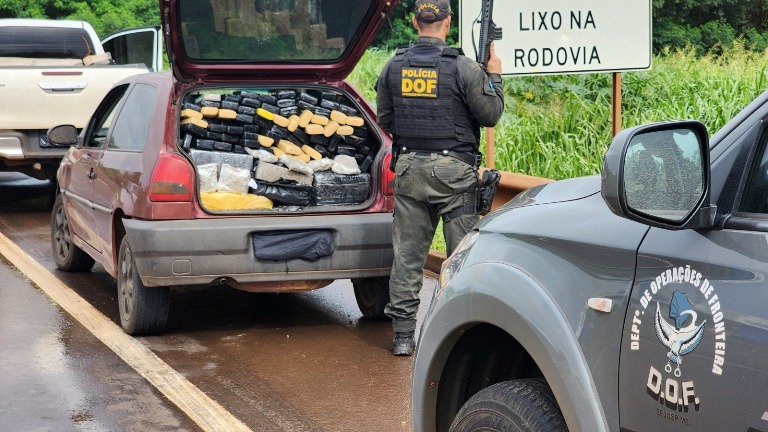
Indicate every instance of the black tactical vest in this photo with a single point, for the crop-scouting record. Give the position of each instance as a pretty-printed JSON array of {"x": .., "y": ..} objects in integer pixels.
[{"x": 430, "y": 110}]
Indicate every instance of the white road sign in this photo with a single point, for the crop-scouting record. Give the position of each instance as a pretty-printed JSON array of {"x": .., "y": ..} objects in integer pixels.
[{"x": 543, "y": 37}]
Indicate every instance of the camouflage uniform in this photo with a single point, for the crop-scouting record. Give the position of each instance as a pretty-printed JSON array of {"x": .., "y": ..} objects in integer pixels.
[{"x": 429, "y": 185}]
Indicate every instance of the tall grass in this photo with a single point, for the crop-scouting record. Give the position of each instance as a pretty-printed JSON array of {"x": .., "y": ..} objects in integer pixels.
[{"x": 559, "y": 126}]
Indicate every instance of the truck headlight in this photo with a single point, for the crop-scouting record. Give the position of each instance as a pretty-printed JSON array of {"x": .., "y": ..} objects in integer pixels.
[{"x": 455, "y": 262}]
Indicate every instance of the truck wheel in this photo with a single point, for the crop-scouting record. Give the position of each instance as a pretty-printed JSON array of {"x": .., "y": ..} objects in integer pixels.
[
  {"x": 525, "y": 405},
  {"x": 372, "y": 296},
  {"x": 143, "y": 310},
  {"x": 67, "y": 256}
]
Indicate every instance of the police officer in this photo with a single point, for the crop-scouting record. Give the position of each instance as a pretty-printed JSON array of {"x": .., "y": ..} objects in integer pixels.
[{"x": 434, "y": 100}]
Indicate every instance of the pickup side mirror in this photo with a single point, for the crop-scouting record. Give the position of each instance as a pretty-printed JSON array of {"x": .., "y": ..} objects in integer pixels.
[
  {"x": 659, "y": 175},
  {"x": 63, "y": 135}
]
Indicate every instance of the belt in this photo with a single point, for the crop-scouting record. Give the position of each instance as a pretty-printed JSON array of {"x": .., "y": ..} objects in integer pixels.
[{"x": 468, "y": 158}]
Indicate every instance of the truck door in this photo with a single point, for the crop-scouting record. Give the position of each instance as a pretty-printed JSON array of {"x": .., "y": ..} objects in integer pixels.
[
  {"x": 695, "y": 338},
  {"x": 138, "y": 45}
]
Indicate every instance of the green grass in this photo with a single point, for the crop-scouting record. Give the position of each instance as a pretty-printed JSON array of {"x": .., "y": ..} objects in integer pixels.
[{"x": 559, "y": 126}]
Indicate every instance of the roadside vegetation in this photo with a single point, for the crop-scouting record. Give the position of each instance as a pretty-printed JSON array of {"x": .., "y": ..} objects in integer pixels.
[{"x": 559, "y": 126}]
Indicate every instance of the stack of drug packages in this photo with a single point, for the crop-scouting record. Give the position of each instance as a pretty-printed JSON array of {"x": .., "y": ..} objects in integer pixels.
[{"x": 296, "y": 148}]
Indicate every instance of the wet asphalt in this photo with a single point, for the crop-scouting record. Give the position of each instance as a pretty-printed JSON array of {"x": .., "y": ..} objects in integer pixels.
[{"x": 278, "y": 362}]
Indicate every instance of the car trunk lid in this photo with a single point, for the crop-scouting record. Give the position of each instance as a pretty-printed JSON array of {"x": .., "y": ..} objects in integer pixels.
[{"x": 276, "y": 40}]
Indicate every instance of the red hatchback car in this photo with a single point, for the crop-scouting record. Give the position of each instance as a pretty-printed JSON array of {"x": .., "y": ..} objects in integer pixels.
[{"x": 254, "y": 164}]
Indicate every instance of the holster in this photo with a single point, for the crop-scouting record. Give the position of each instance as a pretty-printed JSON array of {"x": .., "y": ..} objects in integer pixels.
[{"x": 488, "y": 186}]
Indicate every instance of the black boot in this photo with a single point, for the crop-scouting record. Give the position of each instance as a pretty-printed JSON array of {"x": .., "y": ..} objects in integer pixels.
[{"x": 403, "y": 344}]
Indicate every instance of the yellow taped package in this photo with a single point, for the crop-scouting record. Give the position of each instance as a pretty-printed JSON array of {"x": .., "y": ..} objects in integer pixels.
[
  {"x": 330, "y": 128},
  {"x": 345, "y": 130},
  {"x": 281, "y": 121},
  {"x": 202, "y": 123},
  {"x": 223, "y": 201},
  {"x": 355, "y": 121},
  {"x": 227, "y": 114},
  {"x": 311, "y": 152},
  {"x": 293, "y": 123},
  {"x": 339, "y": 117},
  {"x": 266, "y": 141},
  {"x": 318, "y": 119},
  {"x": 209, "y": 111},
  {"x": 188, "y": 113},
  {"x": 289, "y": 147},
  {"x": 305, "y": 118},
  {"x": 314, "y": 129},
  {"x": 261, "y": 112}
]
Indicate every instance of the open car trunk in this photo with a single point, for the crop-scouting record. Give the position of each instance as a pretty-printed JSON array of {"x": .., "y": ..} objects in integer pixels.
[{"x": 296, "y": 149}]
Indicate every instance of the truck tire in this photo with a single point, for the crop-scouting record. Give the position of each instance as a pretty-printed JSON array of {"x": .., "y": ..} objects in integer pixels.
[
  {"x": 525, "y": 405},
  {"x": 143, "y": 310},
  {"x": 372, "y": 296},
  {"x": 67, "y": 256}
]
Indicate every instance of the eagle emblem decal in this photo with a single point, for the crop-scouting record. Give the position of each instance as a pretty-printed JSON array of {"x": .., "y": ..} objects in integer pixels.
[{"x": 681, "y": 339}]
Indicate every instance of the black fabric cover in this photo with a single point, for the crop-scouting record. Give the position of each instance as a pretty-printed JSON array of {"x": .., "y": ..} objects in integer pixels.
[
  {"x": 287, "y": 245},
  {"x": 290, "y": 195}
]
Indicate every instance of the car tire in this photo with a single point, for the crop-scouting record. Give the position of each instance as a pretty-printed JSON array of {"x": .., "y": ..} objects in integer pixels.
[
  {"x": 143, "y": 310},
  {"x": 525, "y": 405},
  {"x": 372, "y": 296},
  {"x": 66, "y": 255}
]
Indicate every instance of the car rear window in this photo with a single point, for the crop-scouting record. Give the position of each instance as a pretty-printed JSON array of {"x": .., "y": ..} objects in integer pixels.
[
  {"x": 45, "y": 42},
  {"x": 271, "y": 30}
]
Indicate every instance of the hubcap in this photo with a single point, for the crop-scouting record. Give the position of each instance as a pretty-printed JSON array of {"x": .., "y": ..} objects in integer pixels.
[
  {"x": 127, "y": 288},
  {"x": 61, "y": 239}
]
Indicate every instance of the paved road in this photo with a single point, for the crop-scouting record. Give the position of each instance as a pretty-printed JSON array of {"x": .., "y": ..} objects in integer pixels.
[{"x": 281, "y": 362}]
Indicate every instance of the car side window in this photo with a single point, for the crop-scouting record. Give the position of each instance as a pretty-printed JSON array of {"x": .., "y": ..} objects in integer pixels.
[
  {"x": 131, "y": 128},
  {"x": 103, "y": 117},
  {"x": 755, "y": 198}
]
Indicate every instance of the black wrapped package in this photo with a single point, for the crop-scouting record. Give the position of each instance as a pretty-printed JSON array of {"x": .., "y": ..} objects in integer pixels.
[
  {"x": 222, "y": 146},
  {"x": 215, "y": 136},
  {"x": 309, "y": 245},
  {"x": 319, "y": 140},
  {"x": 189, "y": 105},
  {"x": 235, "y": 130},
  {"x": 194, "y": 130},
  {"x": 239, "y": 149},
  {"x": 366, "y": 165},
  {"x": 246, "y": 119},
  {"x": 347, "y": 110},
  {"x": 304, "y": 105},
  {"x": 233, "y": 98},
  {"x": 330, "y": 105},
  {"x": 204, "y": 144},
  {"x": 289, "y": 111},
  {"x": 292, "y": 195},
  {"x": 286, "y": 94},
  {"x": 336, "y": 189},
  {"x": 233, "y": 139},
  {"x": 187, "y": 141},
  {"x": 325, "y": 112},
  {"x": 346, "y": 149},
  {"x": 244, "y": 109},
  {"x": 230, "y": 105},
  {"x": 308, "y": 98},
  {"x": 252, "y": 128},
  {"x": 267, "y": 99},
  {"x": 271, "y": 108},
  {"x": 252, "y": 103},
  {"x": 283, "y": 103},
  {"x": 210, "y": 104},
  {"x": 217, "y": 127},
  {"x": 246, "y": 94}
]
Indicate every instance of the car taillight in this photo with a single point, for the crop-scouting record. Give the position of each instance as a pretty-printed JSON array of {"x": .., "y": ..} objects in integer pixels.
[
  {"x": 387, "y": 176},
  {"x": 171, "y": 180}
]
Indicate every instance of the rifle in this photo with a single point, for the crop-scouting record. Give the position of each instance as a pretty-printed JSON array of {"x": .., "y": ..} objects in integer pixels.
[{"x": 488, "y": 32}]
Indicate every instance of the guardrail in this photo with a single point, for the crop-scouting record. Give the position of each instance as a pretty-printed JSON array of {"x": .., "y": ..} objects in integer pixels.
[{"x": 510, "y": 185}]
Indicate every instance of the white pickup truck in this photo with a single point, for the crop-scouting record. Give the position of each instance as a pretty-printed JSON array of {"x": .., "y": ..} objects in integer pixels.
[{"x": 56, "y": 72}]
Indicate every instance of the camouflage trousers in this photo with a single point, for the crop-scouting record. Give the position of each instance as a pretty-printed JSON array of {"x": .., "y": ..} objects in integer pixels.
[{"x": 427, "y": 186}]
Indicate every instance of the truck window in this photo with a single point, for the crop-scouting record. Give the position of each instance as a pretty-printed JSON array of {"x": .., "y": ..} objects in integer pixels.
[
  {"x": 755, "y": 199},
  {"x": 45, "y": 42}
]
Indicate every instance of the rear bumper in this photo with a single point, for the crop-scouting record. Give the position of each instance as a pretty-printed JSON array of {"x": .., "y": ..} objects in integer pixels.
[{"x": 203, "y": 252}]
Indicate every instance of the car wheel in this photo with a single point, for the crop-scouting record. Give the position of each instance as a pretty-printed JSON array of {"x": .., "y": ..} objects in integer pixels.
[
  {"x": 372, "y": 296},
  {"x": 67, "y": 256},
  {"x": 143, "y": 310},
  {"x": 525, "y": 405}
]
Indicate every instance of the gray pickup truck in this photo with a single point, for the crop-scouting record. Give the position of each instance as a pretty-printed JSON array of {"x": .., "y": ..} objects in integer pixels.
[{"x": 634, "y": 301}]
